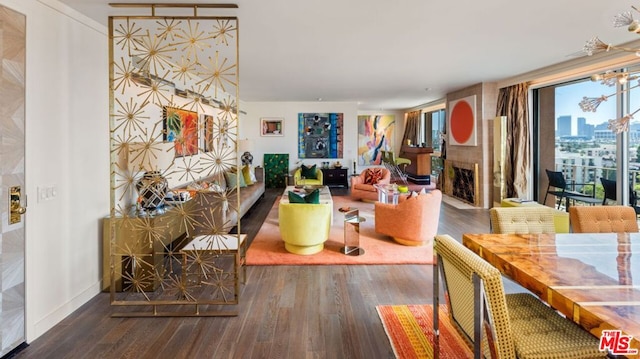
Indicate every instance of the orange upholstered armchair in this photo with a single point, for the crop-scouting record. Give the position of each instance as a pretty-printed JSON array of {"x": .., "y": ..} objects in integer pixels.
[
  {"x": 413, "y": 222},
  {"x": 362, "y": 186},
  {"x": 603, "y": 219}
]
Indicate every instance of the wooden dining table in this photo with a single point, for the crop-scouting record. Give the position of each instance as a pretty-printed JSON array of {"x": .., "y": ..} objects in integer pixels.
[{"x": 592, "y": 278}]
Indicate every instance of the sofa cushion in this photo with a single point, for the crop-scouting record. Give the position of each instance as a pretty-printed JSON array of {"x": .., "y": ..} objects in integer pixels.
[
  {"x": 373, "y": 175},
  {"x": 246, "y": 175},
  {"x": 232, "y": 178},
  {"x": 309, "y": 172}
]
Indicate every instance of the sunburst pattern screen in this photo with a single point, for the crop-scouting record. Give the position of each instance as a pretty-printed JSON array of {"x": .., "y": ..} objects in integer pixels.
[{"x": 173, "y": 127}]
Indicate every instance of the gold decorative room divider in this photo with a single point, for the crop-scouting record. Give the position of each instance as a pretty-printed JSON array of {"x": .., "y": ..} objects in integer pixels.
[{"x": 173, "y": 126}]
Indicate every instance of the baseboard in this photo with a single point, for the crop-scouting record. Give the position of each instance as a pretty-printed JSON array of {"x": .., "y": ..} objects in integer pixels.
[{"x": 56, "y": 316}]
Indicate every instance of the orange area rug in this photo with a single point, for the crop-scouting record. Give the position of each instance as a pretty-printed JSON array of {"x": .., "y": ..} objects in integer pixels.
[
  {"x": 267, "y": 248},
  {"x": 410, "y": 331}
]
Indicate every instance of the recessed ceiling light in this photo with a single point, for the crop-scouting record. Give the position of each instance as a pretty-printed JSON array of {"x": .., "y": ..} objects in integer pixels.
[{"x": 319, "y": 98}]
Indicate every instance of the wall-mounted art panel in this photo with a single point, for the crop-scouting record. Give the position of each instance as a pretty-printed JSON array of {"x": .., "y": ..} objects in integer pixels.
[
  {"x": 207, "y": 133},
  {"x": 320, "y": 135},
  {"x": 462, "y": 122},
  {"x": 181, "y": 127},
  {"x": 375, "y": 134},
  {"x": 272, "y": 126},
  {"x": 276, "y": 168}
]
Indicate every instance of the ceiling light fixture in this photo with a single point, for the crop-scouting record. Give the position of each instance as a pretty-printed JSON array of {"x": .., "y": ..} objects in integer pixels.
[{"x": 610, "y": 78}]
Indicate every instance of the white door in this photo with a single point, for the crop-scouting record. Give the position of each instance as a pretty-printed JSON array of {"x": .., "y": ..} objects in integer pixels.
[{"x": 12, "y": 179}]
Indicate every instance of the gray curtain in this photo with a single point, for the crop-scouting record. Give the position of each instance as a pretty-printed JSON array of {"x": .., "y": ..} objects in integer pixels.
[
  {"x": 513, "y": 103},
  {"x": 412, "y": 128}
]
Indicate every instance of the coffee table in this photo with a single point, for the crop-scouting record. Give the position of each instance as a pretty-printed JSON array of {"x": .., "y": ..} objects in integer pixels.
[{"x": 387, "y": 193}]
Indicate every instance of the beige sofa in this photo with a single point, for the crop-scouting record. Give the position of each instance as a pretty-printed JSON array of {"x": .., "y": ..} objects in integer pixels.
[{"x": 221, "y": 209}]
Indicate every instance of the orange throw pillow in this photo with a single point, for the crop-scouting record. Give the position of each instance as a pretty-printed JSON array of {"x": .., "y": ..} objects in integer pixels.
[{"x": 373, "y": 175}]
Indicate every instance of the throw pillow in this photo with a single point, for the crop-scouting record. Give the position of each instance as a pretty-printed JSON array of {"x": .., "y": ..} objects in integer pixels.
[
  {"x": 246, "y": 174},
  {"x": 252, "y": 173},
  {"x": 308, "y": 172},
  {"x": 373, "y": 175},
  {"x": 232, "y": 178},
  {"x": 313, "y": 197},
  {"x": 295, "y": 198}
]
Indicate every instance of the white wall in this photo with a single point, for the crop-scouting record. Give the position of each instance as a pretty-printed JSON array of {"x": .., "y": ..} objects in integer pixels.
[
  {"x": 250, "y": 129},
  {"x": 67, "y": 147},
  {"x": 67, "y": 136}
]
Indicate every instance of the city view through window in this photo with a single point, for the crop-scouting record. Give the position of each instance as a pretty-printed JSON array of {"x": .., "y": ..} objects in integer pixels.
[{"x": 585, "y": 149}]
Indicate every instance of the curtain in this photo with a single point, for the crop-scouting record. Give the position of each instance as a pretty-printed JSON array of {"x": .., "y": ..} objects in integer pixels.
[
  {"x": 513, "y": 103},
  {"x": 411, "y": 130}
]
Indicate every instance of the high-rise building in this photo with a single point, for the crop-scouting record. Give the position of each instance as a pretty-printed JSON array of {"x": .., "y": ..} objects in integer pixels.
[
  {"x": 563, "y": 126},
  {"x": 585, "y": 129}
]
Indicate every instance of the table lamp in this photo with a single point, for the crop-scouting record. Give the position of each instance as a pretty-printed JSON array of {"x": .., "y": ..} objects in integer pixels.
[
  {"x": 246, "y": 146},
  {"x": 153, "y": 158}
]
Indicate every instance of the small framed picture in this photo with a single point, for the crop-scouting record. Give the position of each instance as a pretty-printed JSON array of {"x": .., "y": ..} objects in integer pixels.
[{"x": 272, "y": 126}]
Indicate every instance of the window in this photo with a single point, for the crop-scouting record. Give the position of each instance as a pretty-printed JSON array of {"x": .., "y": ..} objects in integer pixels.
[
  {"x": 578, "y": 143},
  {"x": 433, "y": 126}
]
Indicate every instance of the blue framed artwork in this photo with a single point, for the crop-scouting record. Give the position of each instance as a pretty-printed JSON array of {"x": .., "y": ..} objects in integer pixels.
[{"x": 320, "y": 135}]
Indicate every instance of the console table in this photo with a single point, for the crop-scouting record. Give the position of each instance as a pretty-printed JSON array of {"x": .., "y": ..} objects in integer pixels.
[{"x": 334, "y": 177}]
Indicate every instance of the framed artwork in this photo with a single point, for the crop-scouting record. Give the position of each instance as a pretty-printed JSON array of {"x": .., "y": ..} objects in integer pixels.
[
  {"x": 462, "y": 122},
  {"x": 207, "y": 133},
  {"x": 272, "y": 126},
  {"x": 375, "y": 134},
  {"x": 181, "y": 127},
  {"x": 320, "y": 135}
]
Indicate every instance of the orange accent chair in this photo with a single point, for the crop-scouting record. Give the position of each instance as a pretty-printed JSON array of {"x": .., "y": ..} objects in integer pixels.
[
  {"x": 603, "y": 219},
  {"x": 412, "y": 222},
  {"x": 361, "y": 189}
]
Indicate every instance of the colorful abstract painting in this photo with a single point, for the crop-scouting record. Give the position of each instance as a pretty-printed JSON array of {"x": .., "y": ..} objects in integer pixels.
[
  {"x": 181, "y": 127},
  {"x": 375, "y": 134},
  {"x": 320, "y": 135}
]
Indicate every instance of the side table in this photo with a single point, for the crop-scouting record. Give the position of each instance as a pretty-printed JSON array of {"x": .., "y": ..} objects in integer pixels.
[{"x": 352, "y": 222}]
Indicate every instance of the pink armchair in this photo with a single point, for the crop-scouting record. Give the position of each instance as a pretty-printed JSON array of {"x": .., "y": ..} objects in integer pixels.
[
  {"x": 413, "y": 222},
  {"x": 362, "y": 189}
]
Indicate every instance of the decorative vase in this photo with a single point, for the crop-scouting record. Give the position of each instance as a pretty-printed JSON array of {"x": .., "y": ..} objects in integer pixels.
[{"x": 152, "y": 188}]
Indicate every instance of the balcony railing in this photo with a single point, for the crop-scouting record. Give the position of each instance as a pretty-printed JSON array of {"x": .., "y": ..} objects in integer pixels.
[{"x": 579, "y": 174}]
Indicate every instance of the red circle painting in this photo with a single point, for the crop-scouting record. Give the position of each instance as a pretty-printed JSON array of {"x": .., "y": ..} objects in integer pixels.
[{"x": 462, "y": 122}]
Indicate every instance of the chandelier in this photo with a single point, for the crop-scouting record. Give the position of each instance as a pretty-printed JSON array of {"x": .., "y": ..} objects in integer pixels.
[{"x": 611, "y": 78}]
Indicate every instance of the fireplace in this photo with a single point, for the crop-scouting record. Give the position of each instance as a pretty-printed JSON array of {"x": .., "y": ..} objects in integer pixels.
[{"x": 462, "y": 182}]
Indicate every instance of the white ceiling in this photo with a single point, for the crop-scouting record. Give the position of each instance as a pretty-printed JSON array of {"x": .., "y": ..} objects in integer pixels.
[{"x": 384, "y": 54}]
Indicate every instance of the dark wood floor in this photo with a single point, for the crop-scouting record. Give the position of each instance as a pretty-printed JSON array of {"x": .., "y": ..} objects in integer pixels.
[{"x": 285, "y": 311}]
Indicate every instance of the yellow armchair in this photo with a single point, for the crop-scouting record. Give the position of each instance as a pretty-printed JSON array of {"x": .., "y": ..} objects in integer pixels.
[
  {"x": 308, "y": 181},
  {"x": 304, "y": 227}
]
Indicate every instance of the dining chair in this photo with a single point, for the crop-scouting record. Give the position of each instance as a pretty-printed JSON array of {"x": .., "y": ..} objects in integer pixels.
[
  {"x": 610, "y": 190},
  {"x": 611, "y": 194},
  {"x": 561, "y": 189},
  {"x": 603, "y": 219},
  {"x": 501, "y": 325},
  {"x": 523, "y": 220}
]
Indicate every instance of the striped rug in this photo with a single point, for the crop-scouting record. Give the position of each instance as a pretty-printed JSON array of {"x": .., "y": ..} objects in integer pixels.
[{"x": 410, "y": 331}]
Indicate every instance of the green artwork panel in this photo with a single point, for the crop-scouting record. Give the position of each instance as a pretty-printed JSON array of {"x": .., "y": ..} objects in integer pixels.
[{"x": 276, "y": 167}]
